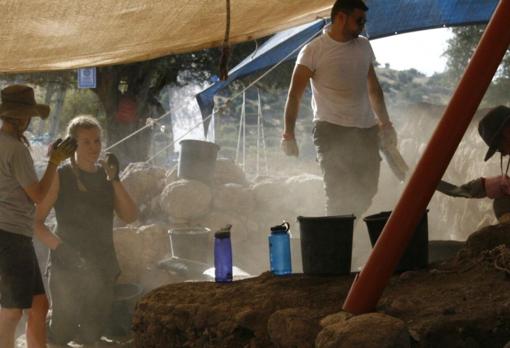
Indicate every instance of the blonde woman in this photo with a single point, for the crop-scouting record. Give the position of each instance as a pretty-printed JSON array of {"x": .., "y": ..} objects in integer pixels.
[
  {"x": 85, "y": 197},
  {"x": 21, "y": 285}
]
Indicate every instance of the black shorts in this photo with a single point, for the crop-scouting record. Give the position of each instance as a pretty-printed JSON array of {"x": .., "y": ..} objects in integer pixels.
[{"x": 20, "y": 277}]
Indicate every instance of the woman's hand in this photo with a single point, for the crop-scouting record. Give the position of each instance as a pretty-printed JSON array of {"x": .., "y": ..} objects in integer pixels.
[
  {"x": 111, "y": 166},
  {"x": 61, "y": 150}
]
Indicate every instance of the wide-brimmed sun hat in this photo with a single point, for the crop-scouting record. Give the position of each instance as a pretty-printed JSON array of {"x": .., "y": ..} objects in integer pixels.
[
  {"x": 18, "y": 101},
  {"x": 491, "y": 126}
]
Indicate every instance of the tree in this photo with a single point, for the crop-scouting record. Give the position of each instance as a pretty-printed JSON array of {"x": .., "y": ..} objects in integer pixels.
[
  {"x": 141, "y": 82},
  {"x": 460, "y": 49}
]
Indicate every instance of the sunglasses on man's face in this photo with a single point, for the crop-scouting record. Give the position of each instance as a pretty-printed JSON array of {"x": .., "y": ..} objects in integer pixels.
[{"x": 361, "y": 21}]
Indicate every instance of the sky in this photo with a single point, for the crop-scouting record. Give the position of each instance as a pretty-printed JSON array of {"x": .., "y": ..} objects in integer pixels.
[{"x": 421, "y": 50}]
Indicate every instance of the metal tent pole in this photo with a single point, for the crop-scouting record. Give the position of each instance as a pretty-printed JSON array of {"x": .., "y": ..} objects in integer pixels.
[{"x": 370, "y": 283}]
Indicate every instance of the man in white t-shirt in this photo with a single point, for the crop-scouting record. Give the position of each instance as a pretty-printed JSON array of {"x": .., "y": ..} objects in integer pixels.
[{"x": 346, "y": 99}]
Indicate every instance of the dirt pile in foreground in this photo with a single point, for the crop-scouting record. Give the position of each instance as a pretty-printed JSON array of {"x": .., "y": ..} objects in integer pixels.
[{"x": 461, "y": 302}]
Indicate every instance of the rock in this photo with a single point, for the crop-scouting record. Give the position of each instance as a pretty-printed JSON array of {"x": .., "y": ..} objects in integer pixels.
[
  {"x": 375, "y": 330},
  {"x": 293, "y": 327},
  {"x": 155, "y": 244},
  {"x": 227, "y": 171},
  {"x": 335, "y": 318},
  {"x": 155, "y": 277},
  {"x": 488, "y": 238},
  {"x": 400, "y": 305},
  {"x": 171, "y": 176},
  {"x": 272, "y": 196},
  {"x": 235, "y": 314},
  {"x": 143, "y": 181},
  {"x": 234, "y": 198},
  {"x": 154, "y": 208},
  {"x": 186, "y": 199},
  {"x": 307, "y": 194},
  {"x": 139, "y": 250},
  {"x": 216, "y": 220}
]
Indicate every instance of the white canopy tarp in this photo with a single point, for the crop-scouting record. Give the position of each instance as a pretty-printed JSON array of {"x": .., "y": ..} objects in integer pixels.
[{"x": 40, "y": 35}]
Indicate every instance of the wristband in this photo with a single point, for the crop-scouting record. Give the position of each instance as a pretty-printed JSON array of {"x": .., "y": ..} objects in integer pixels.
[{"x": 288, "y": 136}]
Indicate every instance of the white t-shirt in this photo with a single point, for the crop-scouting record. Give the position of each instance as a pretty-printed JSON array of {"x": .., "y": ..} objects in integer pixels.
[{"x": 339, "y": 80}]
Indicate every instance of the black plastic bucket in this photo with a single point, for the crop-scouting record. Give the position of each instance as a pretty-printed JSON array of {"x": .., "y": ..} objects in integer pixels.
[
  {"x": 295, "y": 255},
  {"x": 125, "y": 298},
  {"x": 192, "y": 243},
  {"x": 416, "y": 255},
  {"x": 197, "y": 160},
  {"x": 326, "y": 244},
  {"x": 440, "y": 250}
]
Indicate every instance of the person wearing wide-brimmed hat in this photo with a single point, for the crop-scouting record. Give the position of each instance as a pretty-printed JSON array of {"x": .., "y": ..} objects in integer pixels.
[
  {"x": 494, "y": 128},
  {"x": 21, "y": 284}
]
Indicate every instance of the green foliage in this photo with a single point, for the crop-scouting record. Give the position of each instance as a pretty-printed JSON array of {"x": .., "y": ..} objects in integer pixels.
[
  {"x": 81, "y": 102},
  {"x": 461, "y": 47},
  {"x": 458, "y": 53}
]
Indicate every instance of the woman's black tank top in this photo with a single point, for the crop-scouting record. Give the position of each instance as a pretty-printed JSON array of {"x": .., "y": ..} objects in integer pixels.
[{"x": 85, "y": 219}]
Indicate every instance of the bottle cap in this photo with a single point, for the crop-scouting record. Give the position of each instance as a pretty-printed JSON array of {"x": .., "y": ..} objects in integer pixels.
[
  {"x": 283, "y": 228},
  {"x": 223, "y": 232}
]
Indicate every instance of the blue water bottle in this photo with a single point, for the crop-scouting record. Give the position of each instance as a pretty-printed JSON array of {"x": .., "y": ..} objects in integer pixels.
[
  {"x": 279, "y": 249},
  {"x": 223, "y": 255}
]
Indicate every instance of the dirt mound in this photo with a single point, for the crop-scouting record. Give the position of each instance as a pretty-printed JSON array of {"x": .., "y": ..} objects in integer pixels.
[{"x": 461, "y": 302}]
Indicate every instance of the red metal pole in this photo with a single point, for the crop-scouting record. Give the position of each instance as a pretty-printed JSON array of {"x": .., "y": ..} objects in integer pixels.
[{"x": 370, "y": 283}]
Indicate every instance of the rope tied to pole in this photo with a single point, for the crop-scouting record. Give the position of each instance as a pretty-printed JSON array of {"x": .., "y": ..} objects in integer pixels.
[{"x": 225, "y": 51}]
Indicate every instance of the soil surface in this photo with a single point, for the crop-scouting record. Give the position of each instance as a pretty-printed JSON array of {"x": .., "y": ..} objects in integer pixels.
[{"x": 463, "y": 301}]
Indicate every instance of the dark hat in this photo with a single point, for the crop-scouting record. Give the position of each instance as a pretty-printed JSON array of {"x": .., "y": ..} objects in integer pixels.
[
  {"x": 491, "y": 126},
  {"x": 18, "y": 101}
]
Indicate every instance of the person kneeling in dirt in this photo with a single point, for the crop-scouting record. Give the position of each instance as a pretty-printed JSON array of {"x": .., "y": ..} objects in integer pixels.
[
  {"x": 494, "y": 128},
  {"x": 82, "y": 282}
]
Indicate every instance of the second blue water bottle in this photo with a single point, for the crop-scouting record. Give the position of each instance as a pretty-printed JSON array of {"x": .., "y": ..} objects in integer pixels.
[{"x": 279, "y": 249}]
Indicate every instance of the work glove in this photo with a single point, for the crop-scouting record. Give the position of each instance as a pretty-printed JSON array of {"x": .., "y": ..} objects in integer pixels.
[
  {"x": 289, "y": 146},
  {"x": 472, "y": 189},
  {"x": 110, "y": 165},
  {"x": 67, "y": 255},
  {"x": 497, "y": 186},
  {"x": 62, "y": 150}
]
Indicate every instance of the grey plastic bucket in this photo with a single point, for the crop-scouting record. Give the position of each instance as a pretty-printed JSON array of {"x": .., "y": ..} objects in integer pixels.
[
  {"x": 125, "y": 297},
  {"x": 197, "y": 160},
  {"x": 191, "y": 243},
  {"x": 326, "y": 244}
]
